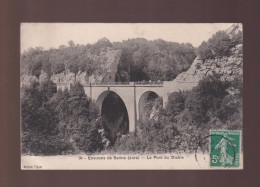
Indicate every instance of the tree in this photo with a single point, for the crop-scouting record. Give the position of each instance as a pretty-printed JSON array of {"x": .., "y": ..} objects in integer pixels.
[
  {"x": 140, "y": 59},
  {"x": 71, "y": 43},
  {"x": 38, "y": 120},
  {"x": 48, "y": 88},
  {"x": 176, "y": 103},
  {"x": 218, "y": 45},
  {"x": 79, "y": 119},
  {"x": 205, "y": 99}
]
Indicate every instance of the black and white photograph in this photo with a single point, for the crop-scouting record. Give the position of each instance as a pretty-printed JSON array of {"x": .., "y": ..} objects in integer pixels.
[{"x": 131, "y": 96}]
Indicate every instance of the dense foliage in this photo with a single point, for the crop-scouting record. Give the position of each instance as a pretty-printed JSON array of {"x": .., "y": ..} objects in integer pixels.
[
  {"x": 58, "y": 122},
  {"x": 140, "y": 59},
  {"x": 186, "y": 120},
  {"x": 219, "y": 45}
]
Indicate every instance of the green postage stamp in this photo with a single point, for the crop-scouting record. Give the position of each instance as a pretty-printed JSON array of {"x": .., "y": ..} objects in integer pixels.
[{"x": 225, "y": 148}]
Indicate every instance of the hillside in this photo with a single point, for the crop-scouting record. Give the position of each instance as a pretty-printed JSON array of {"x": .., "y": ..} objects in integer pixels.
[
  {"x": 130, "y": 60},
  {"x": 227, "y": 66}
]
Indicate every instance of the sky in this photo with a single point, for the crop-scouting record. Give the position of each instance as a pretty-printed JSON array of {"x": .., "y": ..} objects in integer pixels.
[{"x": 52, "y": 35}]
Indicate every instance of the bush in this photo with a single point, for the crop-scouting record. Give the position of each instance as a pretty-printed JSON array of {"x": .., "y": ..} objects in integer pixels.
[
  {"x": 176, "y": 103},
  {"x": 36, "y": 144},
  {"x": 204, "y": 51},
  {"x": 153, "y": 136},
  {"x": 89, "y": 139},
  {"x": 130, "y": 143}
]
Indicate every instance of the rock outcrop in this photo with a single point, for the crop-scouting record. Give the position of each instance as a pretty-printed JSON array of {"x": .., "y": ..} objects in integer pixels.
[
  {"x": 109, "y": 61},
  {"x": 228, "y": 67},
  {"x": 106, "y": 70}
]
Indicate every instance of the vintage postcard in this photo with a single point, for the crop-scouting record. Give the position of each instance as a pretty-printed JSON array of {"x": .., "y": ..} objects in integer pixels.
[{"x": 131, "y": 96}]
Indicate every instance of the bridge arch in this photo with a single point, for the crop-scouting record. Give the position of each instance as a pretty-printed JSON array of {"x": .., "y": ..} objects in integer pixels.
[
  {"x": 114, "y": 114},
  {"x": 145, "y": 97},
  {"x": 100, "y": 99}
]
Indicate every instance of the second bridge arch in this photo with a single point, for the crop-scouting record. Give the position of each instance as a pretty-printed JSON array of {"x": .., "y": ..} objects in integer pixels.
[{"x": 148, "y": 96}]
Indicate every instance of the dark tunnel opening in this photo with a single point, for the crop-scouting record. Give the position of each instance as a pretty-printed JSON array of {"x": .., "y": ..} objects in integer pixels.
[{"x": 114, "y": 117}]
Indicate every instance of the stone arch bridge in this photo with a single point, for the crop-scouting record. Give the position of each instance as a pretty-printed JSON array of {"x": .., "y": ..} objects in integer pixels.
[{"x": 133, "y": 94}]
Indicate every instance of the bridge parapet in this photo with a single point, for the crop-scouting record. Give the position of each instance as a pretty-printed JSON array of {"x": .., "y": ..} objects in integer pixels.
[
  {"x": 111, "y": 83},
  {"x": 104, "y": 84},
  {"x": 123, "y": 84},
  {"x": 149, "y": 82}
]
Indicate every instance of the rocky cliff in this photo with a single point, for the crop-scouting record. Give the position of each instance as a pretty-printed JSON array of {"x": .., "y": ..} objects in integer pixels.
[
  {"x": 228, "y": 67},
  {"x": 106, "y": 71}
]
